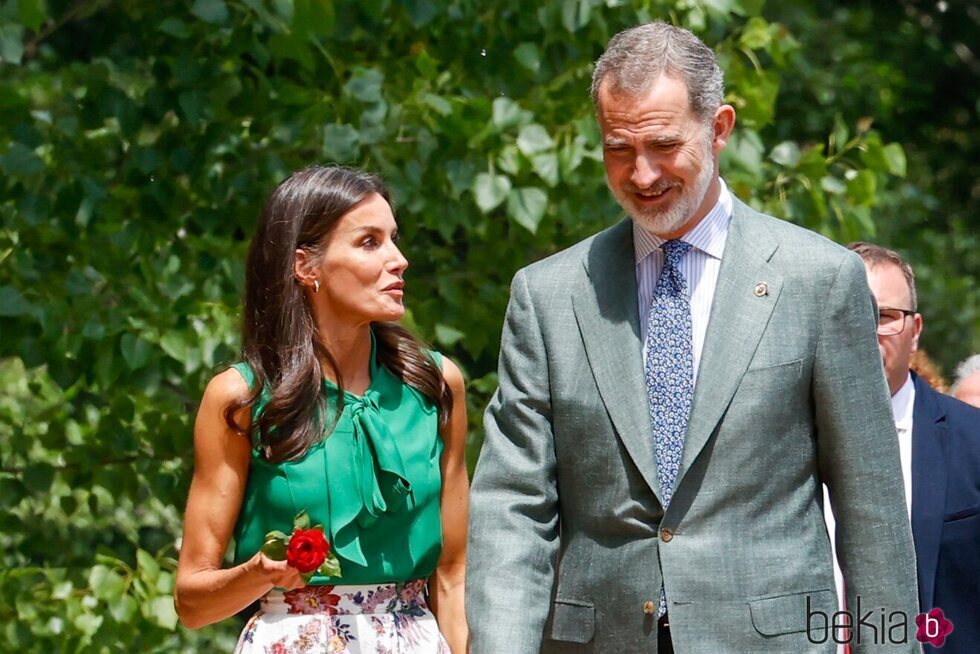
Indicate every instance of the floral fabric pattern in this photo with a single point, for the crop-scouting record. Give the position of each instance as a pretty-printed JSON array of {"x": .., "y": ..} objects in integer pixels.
[
  {"x": 312, "y": 600},
  {"x": 377, "y": 619}
]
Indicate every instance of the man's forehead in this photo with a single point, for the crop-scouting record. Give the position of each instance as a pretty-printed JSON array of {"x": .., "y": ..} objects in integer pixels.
[
  {"x": 617, "y": 90},
  {"x": 888, "y": 283}
]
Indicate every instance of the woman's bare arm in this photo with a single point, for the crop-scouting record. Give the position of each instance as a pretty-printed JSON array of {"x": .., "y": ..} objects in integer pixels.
[{"x": 205, "y": 593}]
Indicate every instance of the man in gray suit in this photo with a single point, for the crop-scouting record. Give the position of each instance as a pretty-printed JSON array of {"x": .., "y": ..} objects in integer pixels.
[{"x": 673, "y": 391}]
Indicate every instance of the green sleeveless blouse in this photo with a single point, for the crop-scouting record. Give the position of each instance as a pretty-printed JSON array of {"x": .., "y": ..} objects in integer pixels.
[{"x": 373, "y": 482}]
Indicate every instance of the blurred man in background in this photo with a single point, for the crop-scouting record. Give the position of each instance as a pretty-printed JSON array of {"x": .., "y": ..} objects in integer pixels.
[
  {"x": 966, "y": 385},
  {"x": 939, "y": 444}
]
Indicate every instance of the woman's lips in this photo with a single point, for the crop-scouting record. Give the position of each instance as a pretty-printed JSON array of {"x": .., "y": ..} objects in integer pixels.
[{"x": 397, "y": 289}]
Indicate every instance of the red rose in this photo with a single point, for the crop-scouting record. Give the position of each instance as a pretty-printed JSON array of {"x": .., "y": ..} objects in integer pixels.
[{"x": 307, "y": 549}]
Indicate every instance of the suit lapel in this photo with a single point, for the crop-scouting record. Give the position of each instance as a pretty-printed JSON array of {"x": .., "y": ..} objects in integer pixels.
[
  {"x": 609, "y": 325},
  {"x": 739, "y": 314},
  {"x": 928, "y": 486}
]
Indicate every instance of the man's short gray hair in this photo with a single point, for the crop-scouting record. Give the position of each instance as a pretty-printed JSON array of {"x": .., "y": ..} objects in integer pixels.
[
  {"x": 967, "y": 368},
  {"x": 637, "y": 57}
]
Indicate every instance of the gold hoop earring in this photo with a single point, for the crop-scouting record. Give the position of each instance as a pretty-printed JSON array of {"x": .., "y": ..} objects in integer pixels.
[{"x": 316, "y": 286}]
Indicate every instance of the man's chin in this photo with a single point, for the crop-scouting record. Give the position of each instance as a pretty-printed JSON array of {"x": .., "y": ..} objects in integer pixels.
[{"x": 656, "y": 223}]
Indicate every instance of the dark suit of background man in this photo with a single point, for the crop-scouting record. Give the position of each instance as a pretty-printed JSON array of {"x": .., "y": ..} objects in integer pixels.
[
  {"x": 939, "y": 441},
  {"x": 672, "y": 392}
]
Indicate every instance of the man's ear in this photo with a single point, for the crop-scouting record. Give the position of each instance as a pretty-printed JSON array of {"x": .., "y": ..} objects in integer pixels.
[
  {"x": 721, "y": 127},
  {"x": 303, "y": 269},
  {"x": 917, "y": 326}
]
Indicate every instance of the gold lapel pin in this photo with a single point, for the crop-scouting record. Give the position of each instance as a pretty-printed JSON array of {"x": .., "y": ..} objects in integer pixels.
[{"x": 761, "y": 289}]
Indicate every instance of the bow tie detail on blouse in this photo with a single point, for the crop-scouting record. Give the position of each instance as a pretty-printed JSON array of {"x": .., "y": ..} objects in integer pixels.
[{"x": 371, "y": 454}]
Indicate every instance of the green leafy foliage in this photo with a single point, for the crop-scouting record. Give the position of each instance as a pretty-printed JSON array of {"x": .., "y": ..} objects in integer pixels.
[
  {"x": 138, "y": 141},
  {"x": 909, "y": 69}
]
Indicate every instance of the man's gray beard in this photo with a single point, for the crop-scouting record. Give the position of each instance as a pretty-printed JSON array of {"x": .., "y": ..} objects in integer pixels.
[{"x": 665, "y": 221}]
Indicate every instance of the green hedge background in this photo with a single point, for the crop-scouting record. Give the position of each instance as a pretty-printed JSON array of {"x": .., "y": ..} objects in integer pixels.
[{"x": 138, "y": 141}]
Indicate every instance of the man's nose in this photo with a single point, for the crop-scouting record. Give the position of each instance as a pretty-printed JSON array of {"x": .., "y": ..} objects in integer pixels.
[{"x": 646, "y": 171}]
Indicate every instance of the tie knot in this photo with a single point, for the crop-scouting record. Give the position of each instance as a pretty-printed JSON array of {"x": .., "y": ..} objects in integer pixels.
[{"x": 674, "y": 251}]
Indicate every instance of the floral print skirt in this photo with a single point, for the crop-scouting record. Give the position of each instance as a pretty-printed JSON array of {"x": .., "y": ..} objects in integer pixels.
[{"x": 375, "y": 619}]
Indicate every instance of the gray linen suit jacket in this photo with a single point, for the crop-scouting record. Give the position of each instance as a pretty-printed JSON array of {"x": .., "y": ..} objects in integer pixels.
[{"x": 569, "y": 542}]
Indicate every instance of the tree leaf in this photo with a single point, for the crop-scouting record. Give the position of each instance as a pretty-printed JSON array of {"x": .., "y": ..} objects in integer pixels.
[
  {"x": 861, "y": 188},
  {"x": 570, "y": 157},
  {"x": 147, "y": 566},
  {"x": 755, "y": 34},
  {"x": 318, "y": 16},
  {"x": 12, "y": 303},
  {"x": 748, "y": 7},
  {"x": 38, "y": 477},
  {"x": 786, "y": 154},
  {"x": 365, "y": 84},
  {"x": 813, "y": 164},
  {"x": 895, "y": 158},
  {"x": 31, "y": 13},
  {"x": 341, "y": 143},
  {"x": 490, "y": 190},
  {"x": 447, "y": 335},
  {"x": 136, "y": 352},
  {"x": 122, "y": 608},
  {"x": 545, "y": 165},
  {"x": 527, "y": 206},
  {"x": 421, "y": 12},
  {"x": 89, "y": 623},
  {"x": 105, "y": 582},
  {"x": 175, "y": 345},
  {"x": 11, "y": 43},
  {"x": 839, "y": 136},
  {"x": 439, "y": 104},
  {"x": 285, "y": 9},
  {"x": 833, "y": 185},
  {"x": 161, "y": 611},
  {"x": 507, "y": 113},
  {"x": 509, "y": 160},
  {"x": 570, "y": 15},
  {"x": 175, "y": 28},
  {"x": 20, "y": 160},
  {"x": 460, "y": 176},
  {"x": 427, "y": 65},
  {"x": 719, "y": 6},
  {"x": 534, "y": 138},
  {"x": 211, "y": 11},
  {"x": 528, "y": 55}
]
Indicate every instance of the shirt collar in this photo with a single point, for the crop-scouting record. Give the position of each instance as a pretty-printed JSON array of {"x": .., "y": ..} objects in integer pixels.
[
  {"x": 707, "y": 236},
  {"x": 902, "y": 404}
]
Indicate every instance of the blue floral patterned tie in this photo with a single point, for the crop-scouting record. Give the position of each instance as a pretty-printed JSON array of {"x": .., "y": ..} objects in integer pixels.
[{"x": 669, "y": 371}]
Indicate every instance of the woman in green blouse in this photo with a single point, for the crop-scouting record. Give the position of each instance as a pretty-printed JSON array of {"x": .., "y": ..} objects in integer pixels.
[{"x": 338, "y": 412}]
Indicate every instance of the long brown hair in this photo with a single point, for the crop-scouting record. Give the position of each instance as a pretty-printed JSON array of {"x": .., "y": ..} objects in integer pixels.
[{"x": 280, "y": 341}]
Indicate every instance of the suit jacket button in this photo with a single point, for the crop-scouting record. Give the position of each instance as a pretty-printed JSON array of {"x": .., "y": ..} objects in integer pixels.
[
  {"x": 666, "y": 535},
  {"x": 649, "y": 607}
]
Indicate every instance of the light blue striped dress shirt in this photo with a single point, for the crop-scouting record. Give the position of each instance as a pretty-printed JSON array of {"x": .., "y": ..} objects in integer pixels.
[{"x": 700, "y": 268}]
